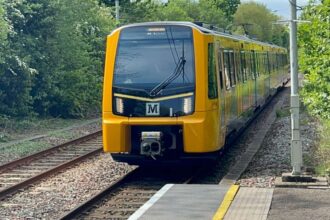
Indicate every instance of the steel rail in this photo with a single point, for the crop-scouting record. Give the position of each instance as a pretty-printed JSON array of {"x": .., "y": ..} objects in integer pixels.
[
  {"x": 26, "y": 159},
  {"x": 85, "y": 205},
  {"x": 111, "y": 188},
  {"x": 56, "y": 168}
]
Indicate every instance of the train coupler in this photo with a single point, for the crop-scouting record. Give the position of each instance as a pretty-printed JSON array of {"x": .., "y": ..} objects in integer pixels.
[{"x": 151, "y": 144}]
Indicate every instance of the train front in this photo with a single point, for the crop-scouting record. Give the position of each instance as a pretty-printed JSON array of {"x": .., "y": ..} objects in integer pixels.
[{"x": 150, "y": 107}]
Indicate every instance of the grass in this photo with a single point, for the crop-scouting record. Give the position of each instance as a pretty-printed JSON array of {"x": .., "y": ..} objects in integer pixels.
[
  {"x": 284, "y": 112},
  {"x": 308, "y": 160},
  {"x": 14, "y": 128},
  {"x": 323, "y": 150},
  {"x": 61, "y": 134},
  {"x": 25, "y": 148}
]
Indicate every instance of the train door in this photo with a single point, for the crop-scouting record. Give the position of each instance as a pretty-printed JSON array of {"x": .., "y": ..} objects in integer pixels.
[
  {"x": 245, "y": 85},
  {"x": 233, "y": 82},
  {"x": 254, "y": 77},
  {"x": 239, "y": 84},
  {"x": 271, "y": 91},
  {"x": 222, "y": 93}
]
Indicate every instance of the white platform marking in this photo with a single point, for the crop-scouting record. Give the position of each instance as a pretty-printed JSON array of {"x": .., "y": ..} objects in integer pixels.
[{"x": 138, "y": 213}]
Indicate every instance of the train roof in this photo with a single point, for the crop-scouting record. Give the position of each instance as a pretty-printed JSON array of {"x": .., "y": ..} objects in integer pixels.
[{"x": 204, "y": 30}]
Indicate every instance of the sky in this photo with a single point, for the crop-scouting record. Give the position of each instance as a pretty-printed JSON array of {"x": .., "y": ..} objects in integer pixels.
[{"x": 280, "y": 7}]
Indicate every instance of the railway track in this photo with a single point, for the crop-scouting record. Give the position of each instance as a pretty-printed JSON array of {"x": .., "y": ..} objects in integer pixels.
[
  {"x": 122, "y": 198},
  {"x": 18, "y": 174}
]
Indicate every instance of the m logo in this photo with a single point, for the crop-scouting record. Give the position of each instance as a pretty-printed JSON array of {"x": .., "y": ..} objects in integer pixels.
[{"x": 152, "y": 108}]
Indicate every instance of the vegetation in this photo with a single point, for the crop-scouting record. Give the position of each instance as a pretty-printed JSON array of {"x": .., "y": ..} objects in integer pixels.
[
  {"x": 52, "y": 60},
  {"x": 314, "y": 42},
  {"x": 52, "y": 52},
  {"x": 323, "y": 151},
  {"x": 247, "y": 20},
  {"x": 14, "y": 128},
  {"x": 314, "y": 62}
]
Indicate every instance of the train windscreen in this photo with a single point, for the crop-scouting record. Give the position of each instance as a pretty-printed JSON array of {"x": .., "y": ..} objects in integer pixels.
[{"x": 157, "y": 60}]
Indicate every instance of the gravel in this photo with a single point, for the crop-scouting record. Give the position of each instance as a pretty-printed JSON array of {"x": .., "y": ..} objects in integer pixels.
[
  {"x": 55, "y": 196},
  {"x": 273, "y": 157},
  {"x": 215, "y": 173},
  {"x": 52, "y": 198}
]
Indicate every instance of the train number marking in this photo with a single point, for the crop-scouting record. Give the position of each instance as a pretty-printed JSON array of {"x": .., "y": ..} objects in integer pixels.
[{"x": 152, "y": 108}]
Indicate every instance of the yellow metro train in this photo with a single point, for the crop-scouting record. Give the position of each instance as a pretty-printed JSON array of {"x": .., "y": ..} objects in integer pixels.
[{"x": 175, "y": 91}]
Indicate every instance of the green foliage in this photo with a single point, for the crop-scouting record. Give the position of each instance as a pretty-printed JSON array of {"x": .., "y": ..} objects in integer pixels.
[
  {"x": 15, "y": 70},
  {"x": 257, "y": 21},
  {"x": 139, "y": 11},
  {"x": 54, "y": 56},
  {"x": 216, "y": 12},
  {"x": 228, "y": 7},
  {"x": 3, "y": 24},
  {"x": 52, "y": 52},
  {"x": 188, "y": 10},
  {"x": 210, "y": 13},
  {"x": 314, "y": 42},
  {"x": 323, "y": 151},
  {"x": 74, "y": 82},
  {"x": 177, "y": 10},
  {"x": 280, "y": 113}
]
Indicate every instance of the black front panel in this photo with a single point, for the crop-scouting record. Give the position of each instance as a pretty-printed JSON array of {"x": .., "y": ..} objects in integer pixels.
[{"x": 172, "y": 136}]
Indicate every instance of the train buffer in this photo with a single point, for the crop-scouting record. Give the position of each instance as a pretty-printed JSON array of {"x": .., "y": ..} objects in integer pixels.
[{"x": 193, "y": 201}]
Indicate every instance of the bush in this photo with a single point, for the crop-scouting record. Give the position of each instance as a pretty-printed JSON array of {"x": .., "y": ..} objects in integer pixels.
[{"x": 314, "y": 41}]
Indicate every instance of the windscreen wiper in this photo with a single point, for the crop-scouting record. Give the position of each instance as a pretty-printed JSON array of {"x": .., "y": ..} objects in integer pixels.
[{"x": 177, "y": 72}]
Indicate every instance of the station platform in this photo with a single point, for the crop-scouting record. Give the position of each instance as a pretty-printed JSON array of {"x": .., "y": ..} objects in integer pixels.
[{"x": 182, "y": 201}]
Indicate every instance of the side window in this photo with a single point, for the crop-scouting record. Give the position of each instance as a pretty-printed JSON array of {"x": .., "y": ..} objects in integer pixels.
[
  {"x": 212, "y": 78},
  {"x": 271, "y": 62},
  {"x": 220, "y": 63},
  {"x": 226, "y": 61},
  {"x": 248, "y": 64},
  {"x": 243, "y": 66},
  {"x": 232, "y": 69},
  {"x": 266, "y": 63},
  {"x": 257, "y": 63},
  {"x": 252, "y": 65},
  {"x": 237, "y": 67}
]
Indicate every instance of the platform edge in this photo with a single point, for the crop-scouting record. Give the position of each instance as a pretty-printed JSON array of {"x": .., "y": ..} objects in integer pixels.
[
  {"x": 225, "y": 204},
  {"x": 138, "y": 213}
]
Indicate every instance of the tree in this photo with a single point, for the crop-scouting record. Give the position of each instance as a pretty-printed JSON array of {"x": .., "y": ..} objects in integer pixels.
[
  {"x": 139, "y": 11},
  {"x": 256, "y": 20},
  {"x": 3, "y": 24},
  {"x": 314, "y": 43},
  {"x": 72, "y": 69},
  {"x": 210, "y": 13},
  {"x": 228, "y": 7},
  {"x": 15, "y": 69},
  {"x": 187, "y": 10},
  {"x": 176, "y": 10},
  {"x": 53, "y": 57}
]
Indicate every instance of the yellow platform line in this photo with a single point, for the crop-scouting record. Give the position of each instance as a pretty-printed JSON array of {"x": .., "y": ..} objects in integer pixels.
[{"x": 229, "y": 197}]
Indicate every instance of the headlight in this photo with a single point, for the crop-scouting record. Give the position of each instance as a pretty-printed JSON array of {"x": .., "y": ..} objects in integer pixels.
[
  {"x": 187, "y": 105},
  {"x": 119, "y": 105}
]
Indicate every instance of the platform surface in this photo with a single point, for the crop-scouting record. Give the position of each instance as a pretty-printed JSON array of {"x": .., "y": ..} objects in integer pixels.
[
  {"x": 250, "y": 203},
  {"x": 182, "y": 202},
  {"x": 301, "y": 204},
  {"x": 194, "y": 202}
]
